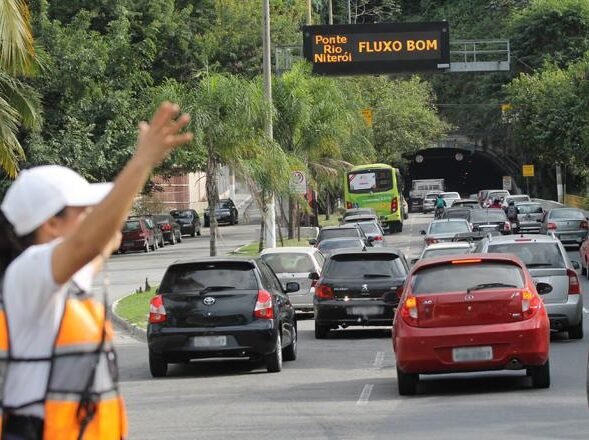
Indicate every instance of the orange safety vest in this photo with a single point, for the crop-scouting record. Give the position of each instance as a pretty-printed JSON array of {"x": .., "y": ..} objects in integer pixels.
[{"x": 82, "y": 400}]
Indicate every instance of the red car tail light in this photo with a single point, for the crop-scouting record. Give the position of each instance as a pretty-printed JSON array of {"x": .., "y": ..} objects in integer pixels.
[
  {"x": 378, "y": 238},
  {"x": 585, "y": 225},
  {"x": 468, "y": 261},
  {"x": 430, "y": 240},
  {"x": 552, "y": 226},
  {"x": 394, "y": 205},
  {"x": 531, "y": 303},
  {"x": 157, "y": 311},
  {"x": 167, "y": 227},
  {"x": 409, "y": 311},
  {"x": 574, "y": 285},
  {"x": 324, "y": 292},
  {"x": 264, "y": 309}
]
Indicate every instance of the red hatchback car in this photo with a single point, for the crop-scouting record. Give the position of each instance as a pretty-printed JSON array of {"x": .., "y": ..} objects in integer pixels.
[{"x": 468, "y": 313}]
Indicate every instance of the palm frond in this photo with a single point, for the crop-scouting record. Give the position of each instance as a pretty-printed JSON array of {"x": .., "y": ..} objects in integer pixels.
[
  {"x": 17, "y": 52},
  {"x": 11, "y": 151},
  {"x": 23, "y": 99}
]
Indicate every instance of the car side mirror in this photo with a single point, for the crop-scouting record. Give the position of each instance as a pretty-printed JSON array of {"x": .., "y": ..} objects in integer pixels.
[
  {"x": 422, "y": 232},
  {"x": 313, "y": 241},
  {"x": 292, "y": 287},
  {"x": 543, "y": 288},
  {"x": 576, "y": 265},
  {"x": 414, "y": 261},
  {"x": 314, "y": 276}
]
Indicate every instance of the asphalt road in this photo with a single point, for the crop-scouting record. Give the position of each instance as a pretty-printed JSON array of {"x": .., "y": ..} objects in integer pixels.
[{"x": 343, "y": 387}]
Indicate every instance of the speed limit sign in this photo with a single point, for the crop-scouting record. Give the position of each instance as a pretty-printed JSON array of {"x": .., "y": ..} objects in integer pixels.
[{"x": 298, "y": 182}]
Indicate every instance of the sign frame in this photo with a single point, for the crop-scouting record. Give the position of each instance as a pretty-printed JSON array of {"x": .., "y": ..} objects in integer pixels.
[{"x": 379, "y": 66}]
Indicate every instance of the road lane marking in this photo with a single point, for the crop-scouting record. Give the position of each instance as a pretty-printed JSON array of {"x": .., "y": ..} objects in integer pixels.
[
  {"x": 378, "y": 360},
  {"x": 365, "y": 395}
]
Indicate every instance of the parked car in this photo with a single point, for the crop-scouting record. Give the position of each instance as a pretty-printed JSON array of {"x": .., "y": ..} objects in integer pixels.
[
  {"x": 152, "y": 225},
  {"x": 296, "y": 264},
  {"x": 450, "y": 197},
  {"x": 445, "y": 230},
  {"x": 489, "y": 220},
  {"x": 189, "y": 221},
  {"x": 331, "y": 245},
  {"x": 466, "y": 203},
  {"x": 569, "y": 225},
  {"x": 429, "y": 202},
  {"x": 137, "y": 236},
  {"x": 443, "y": 249},
  {"x": 547, "y": 261},
  {"x": 225, "y": 211},
  {"x": 349, "y": 230},
  {"x": 470, "y": 313},
  {"x": 221, "y": 307},
  {"x": 374, "y": 232},
  {"x": 529, "y": 217},
  {"x": 171, "y": 230},
  {"x": 352, "y": 288}
]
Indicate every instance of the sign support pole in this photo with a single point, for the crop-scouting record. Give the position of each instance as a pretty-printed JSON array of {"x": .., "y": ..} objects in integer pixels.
[
  {"x": 270, "y": 214},
  {"x": 330, "y": 8}
]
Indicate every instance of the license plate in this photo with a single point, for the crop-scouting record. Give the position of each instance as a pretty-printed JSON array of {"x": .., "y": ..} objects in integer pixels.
[
  {"x": 365, "y": 311},
  {"x": 472, "y": 354},
  {"x": 209, "y": 341}
]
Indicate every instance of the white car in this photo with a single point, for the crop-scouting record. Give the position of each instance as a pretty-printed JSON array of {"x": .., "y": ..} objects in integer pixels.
[
  {"x": 442, "y": 249},
  {"x": 449, "y": 198},
  {"x": 295, "y": 264}
]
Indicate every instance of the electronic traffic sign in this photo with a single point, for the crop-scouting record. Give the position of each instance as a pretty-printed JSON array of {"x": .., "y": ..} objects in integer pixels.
[{"x": 377, "y": 48}]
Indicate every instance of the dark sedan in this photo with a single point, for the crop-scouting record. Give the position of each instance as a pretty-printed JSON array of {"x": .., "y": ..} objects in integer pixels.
[
  {"x": 225, "y": 212},
  {"x": 170, "y": 228},
  {"x": 188, "y": 220},
  {"x": 489, "y": 220},
  {"x": 221, "y": 307},
  {"x": 358, "y": 288}
]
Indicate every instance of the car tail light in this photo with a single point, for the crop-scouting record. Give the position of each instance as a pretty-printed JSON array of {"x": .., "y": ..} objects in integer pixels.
[
  {"x": 141, "y": 234},
  {"x": 394, "y": 205},
  {"x": 378, "y": 238},
  {"x": 585, "y": 225},
  {"x": 324, "y": 292},
  {"x": 157, "y": 311},
  {"x": 264, "y": 309},
  {"x": 552, "y": 226},
  {"x": 574, "y": 286},
  {"x": 348, "y": 205},
  {"x": 167, "y": 227},
  {"x": 467, "y": 261},
  {"x": 531, "y": 303},
  {"x": 409, "y": 311},
  {"x": 430, "y": 240}
]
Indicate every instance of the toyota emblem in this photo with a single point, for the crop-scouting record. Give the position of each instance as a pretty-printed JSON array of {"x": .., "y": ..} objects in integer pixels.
[{"x": 209, "y": 301}]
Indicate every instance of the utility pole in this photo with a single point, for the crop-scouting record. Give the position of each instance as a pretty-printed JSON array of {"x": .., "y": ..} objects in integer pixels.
[
  {"x": 269, "y": 209},
  {"x": 349, "y": 11},
  {"x": 309, "y": 13},
  {"x": 330, "y": 7},
  {"x": 559, "y": 187}
]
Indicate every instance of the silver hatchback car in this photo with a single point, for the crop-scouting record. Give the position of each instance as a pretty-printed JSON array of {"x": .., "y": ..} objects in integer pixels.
[
  {"x": 548, "y": 262},
  {"x": 295, "y": 264}
]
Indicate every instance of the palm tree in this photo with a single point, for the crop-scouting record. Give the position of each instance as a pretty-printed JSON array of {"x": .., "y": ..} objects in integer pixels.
[{"x": 19, "y": 103}]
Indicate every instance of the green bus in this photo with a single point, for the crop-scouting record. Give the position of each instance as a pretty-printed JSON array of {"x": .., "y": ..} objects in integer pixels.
[{"x": 377, "y": 186}]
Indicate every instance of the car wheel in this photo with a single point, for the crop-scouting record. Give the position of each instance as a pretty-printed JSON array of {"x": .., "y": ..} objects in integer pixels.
[
  {"x": 576, "y": 331},
  {"x": 173, "y": 239},
  {"x": 407, "y": 383},
  {"x": 274, "y": 360},
  {"x": 290, "y": 352},
  {"x": 541, "y": 375},
  {"x": 321, "y": 331},
  {"x": 158, "y": 367}
]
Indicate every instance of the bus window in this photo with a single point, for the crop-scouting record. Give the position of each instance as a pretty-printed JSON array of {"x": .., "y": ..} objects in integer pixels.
[{"x": 370, "y": 180}]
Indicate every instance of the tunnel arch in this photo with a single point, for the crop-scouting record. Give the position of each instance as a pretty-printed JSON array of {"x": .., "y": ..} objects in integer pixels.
[{"x": 476, "y": 170}]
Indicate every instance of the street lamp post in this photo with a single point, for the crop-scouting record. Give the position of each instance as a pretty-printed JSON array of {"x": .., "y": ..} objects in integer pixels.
[
  {"x": 330, "y": 8},
  {"x": 270, "y": 213}
]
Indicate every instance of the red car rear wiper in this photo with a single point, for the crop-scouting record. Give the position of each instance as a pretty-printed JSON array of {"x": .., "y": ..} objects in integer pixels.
[{"x": 488, "y": 286}]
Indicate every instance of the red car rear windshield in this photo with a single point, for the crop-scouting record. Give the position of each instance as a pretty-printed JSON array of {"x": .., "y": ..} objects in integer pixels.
[
  {"x": 459, "y": 277},
  {"x": 131, "y": 226}
]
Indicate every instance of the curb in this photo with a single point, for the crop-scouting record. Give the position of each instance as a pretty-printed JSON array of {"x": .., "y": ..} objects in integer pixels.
[{"x": 132, "y": 329}]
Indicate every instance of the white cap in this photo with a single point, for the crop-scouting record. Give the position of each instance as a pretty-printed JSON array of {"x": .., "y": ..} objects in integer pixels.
[{"x": 39, "y": 193}]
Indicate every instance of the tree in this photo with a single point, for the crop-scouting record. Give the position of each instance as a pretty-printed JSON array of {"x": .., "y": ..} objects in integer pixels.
[{"x": 19, "y": 103}]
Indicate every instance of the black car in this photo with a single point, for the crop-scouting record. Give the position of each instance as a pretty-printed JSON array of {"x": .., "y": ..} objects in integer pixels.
[
  {"x": 226, "y": 212},
  {"x": 489, "y": 220},
  {"x": 170, "y": 228},
  {"x": 358, "y": 288},
  {"x": 189, "y": 221},
  {"x": 464, "y": 213},
  {"x": 221, "y": 307},
  {"x": 349, "y": 230}
]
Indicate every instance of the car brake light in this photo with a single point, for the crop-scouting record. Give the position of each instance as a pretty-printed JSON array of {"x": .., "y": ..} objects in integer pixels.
[
  {"x": 585, "y": 225},
  {"x": 469, "y": 261},
  {"x": 167, "y": 227},
  {"x": 394, "y": 205},
  {"x": 348, "y": 205},
  {"x": 264, "y": 309},
  {"x": 409, "y": 311},
  {"x": 324, "y": 292},
  {"x": 430, "y": 240},
  {"x": 552, "y": 226},
  {"x": 530, "y": 304},
  {"x": 157, "y": 311},
  {"x": 574, "y": 286},
  {"x": 378, "y": 238}
]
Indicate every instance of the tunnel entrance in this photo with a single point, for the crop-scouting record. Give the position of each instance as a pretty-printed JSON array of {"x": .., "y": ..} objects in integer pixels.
[{"x": 463, "y": 170}]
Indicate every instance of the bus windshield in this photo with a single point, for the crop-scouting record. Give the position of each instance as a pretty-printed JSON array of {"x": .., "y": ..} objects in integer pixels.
[{"x": 367, "y": 181}]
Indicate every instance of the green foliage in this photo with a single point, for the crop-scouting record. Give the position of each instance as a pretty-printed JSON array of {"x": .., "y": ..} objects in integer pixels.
[{"x": 555, "y": 31}]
